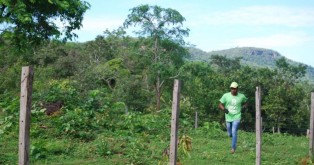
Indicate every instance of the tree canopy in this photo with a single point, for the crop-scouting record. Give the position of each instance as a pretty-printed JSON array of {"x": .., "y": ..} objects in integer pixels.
[
  {"x": 162, "y": 35},
  {"x": 36, "y": 20}
]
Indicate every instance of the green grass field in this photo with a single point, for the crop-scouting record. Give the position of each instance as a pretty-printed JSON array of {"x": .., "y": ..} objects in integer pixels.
[
  {"x": 276, "y": 149},
  {"x": 208, "y": 147}
]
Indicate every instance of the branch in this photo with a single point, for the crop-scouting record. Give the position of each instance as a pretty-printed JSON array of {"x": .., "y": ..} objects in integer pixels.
[
  {"x": 175, "y": 76},
  {"x": 169, "y": 78},
  {"x": 2, "y": 9},
  {"x": 161, "y": 83}
]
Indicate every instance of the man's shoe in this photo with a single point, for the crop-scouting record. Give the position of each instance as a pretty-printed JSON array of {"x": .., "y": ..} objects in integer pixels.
[{"x": 232, "y": 151}]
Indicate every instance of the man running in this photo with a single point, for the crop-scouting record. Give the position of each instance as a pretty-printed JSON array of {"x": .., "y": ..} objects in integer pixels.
[{"x": 231, "y": 103}]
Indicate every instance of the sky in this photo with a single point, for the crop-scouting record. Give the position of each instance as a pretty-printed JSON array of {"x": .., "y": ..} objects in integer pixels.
[{"x": 286, "y": 26}]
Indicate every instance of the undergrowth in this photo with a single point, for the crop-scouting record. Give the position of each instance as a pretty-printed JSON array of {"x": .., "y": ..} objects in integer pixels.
[{"x": 144, "y": 139}]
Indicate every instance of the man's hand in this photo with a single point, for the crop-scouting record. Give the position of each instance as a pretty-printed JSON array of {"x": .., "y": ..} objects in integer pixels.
[{"x": 226, "y": 111}]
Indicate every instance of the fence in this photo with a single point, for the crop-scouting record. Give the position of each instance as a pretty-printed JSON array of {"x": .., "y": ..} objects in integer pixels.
[
  {"x": 25, "y": 114},
  {"x": 25, "y": 107}
]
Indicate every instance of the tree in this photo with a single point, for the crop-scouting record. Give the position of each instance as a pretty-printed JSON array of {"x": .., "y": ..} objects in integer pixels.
[
  {"x": 199, "y": 81},
  {"x": 94, "y": 56},
  {"x": 285, "y": 95},
  {"x": 98, "y": 50},
  {"x": 31, "y": 21},
  {"x": 289, "y": 71},
  {"x": 224, "y": 64},
  {"x": 161, "y": 27}
]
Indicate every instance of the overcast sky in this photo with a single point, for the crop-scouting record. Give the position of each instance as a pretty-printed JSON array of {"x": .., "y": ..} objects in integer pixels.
[{"x": 286, "y": 26}]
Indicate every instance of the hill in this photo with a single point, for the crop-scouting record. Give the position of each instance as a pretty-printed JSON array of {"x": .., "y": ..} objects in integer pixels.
[{"x": 251, "y": 56}]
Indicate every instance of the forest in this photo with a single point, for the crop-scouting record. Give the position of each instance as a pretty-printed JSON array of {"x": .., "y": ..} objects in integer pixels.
[{"x": 121, "y": 86}]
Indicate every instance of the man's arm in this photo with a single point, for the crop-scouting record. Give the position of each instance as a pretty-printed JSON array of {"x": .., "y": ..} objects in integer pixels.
[
  {"x": 222, "y": 107},
  {"x": 245, "y": 104}
]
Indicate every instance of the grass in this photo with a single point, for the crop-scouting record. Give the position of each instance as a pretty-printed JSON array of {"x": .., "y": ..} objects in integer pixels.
[
  {"x": 208, "y": 147},
  {"x": 276, "y": 149}
]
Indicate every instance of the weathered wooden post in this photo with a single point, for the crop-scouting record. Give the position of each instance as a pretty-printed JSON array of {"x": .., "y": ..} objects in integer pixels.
[
  {"x": 174, "y": 123},
  {"x": 196, "y": 120},
  {"x": 312, "y": 126},
  {"x": 25, "y": 114},
  {"x": 258, "y": 125}
]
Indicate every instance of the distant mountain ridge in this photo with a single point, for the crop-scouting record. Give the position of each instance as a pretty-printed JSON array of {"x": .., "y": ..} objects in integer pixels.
[{"x": 251, "y": 56}]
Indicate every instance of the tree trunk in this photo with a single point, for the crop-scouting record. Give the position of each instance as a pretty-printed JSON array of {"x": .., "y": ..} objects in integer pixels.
[
  {"x": 277, "y": 124},
  {"x": 158, "y": 92}
]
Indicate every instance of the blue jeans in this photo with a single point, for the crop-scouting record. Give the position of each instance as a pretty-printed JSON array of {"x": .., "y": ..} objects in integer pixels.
[{"x": 232, "y": 130}]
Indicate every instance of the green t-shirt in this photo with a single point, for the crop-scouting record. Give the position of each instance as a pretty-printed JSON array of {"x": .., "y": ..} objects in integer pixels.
[{"x": 233, "y": 104}]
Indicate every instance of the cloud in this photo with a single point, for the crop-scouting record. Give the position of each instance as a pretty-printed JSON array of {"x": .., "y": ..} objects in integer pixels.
[
  {"x": 273, "y": 41},
  {"x": 93, "y": 26},
  {"x": 262, "y": 15}
]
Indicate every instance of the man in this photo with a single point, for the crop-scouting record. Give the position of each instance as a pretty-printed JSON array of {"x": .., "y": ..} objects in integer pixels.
[{"x": 231, "y": 103}]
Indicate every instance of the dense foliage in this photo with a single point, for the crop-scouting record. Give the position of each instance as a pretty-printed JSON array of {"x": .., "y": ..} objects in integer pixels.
[
  {"x": 163, "y": 44},
  {"x": 120, "y": 87},
  {"x": 33, "y": 20}
]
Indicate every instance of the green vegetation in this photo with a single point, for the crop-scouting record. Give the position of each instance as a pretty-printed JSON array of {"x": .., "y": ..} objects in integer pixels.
[
  {"x": 30, "y": 22},
  {"x": 143, "y": 145},
  {"x": 109, "y": 100}
]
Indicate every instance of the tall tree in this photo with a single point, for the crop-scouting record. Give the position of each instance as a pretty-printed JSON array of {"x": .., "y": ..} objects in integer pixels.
[
  {"x": 31, "y": 21},
  {"x": 162, "y": 27}
]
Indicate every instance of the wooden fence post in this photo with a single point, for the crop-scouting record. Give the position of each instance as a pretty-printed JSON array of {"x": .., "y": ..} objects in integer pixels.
[
  {"x": 174, "y": 123},
  {"x": 258, "y": 125},
  {"x": 311, "y": 127},
  {"x": 25, "y": 114},
  {"x": 196, "y": 120}
]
